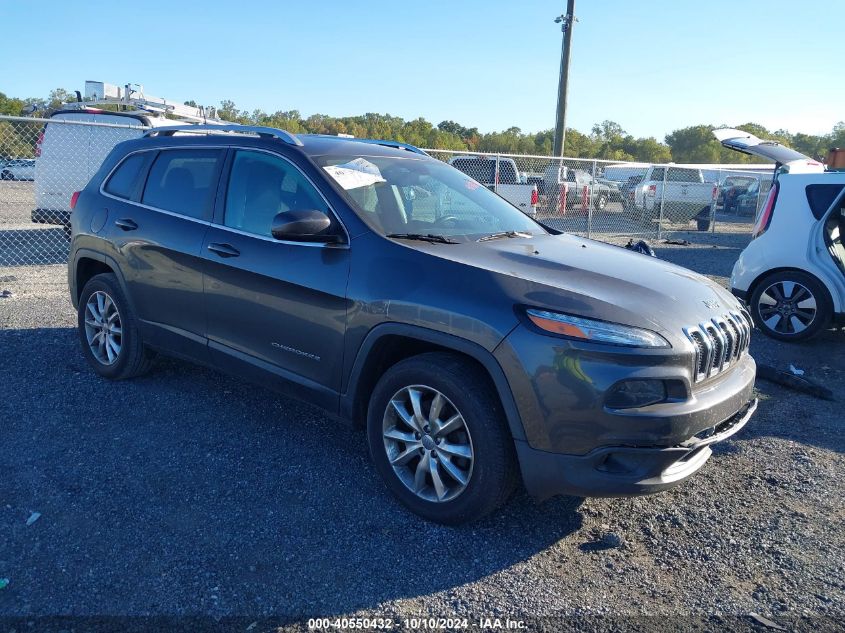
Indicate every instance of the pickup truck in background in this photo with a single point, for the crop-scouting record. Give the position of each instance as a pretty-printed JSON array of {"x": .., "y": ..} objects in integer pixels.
[
  {"x": 507, "y": 182},
  {"x": 686, "y": 197}
]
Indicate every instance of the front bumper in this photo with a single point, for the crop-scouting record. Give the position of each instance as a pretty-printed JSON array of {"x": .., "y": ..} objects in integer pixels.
[{"x": 623, "y": 471}]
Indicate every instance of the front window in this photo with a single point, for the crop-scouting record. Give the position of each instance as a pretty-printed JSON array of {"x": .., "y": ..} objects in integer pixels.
[{"x": 425, "y": 196}]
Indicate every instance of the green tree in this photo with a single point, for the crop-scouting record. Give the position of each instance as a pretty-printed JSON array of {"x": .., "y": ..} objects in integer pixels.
[{"x": 694, "y": 144}]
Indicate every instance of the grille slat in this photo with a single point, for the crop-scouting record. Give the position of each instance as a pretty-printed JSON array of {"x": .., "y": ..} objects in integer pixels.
[{"x": 719, "y": 343}]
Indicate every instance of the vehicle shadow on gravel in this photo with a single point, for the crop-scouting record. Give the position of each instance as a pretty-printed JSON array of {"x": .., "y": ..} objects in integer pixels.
[{"x": 185, "y": 491}]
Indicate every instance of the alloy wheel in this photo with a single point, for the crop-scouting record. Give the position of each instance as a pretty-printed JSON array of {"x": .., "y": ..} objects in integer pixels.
[
  {"x": 428, "y": 443},
  {"x": 103, "y": 328},
  {"x": 787, "y": 307}
]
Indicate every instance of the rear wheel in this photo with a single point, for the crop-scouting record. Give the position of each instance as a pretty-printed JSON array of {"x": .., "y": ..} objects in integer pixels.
[
  {"x": 108, "y": 330},
  {"x": 438, "y": 438},
  {"x": 791, "y": 306}
]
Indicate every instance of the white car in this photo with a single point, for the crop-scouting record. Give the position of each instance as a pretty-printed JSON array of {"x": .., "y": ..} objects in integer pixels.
[
  {"x": 792, "y": 274},
  {"x": 18, "y": 169}
]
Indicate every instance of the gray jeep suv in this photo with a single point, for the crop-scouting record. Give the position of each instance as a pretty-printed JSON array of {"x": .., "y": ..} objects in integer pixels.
[{"x": 477, "y": 346}]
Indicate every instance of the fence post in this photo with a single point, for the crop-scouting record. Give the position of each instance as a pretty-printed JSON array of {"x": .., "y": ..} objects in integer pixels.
[
  {"x": 590, "y": 203},
  {"x": 716, "y": 189},
  {"x": 496, "y": 175},
  {"x": 662, "y": 202}
]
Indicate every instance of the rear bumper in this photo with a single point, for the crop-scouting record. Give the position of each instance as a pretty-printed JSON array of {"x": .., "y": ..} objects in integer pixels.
[
  {"x": 51, "y": 216},
  {"x": 623, "y": 471}
]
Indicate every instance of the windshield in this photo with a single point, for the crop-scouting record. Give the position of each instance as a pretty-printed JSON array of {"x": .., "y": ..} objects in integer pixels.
[{"x": 422, "y": 196}]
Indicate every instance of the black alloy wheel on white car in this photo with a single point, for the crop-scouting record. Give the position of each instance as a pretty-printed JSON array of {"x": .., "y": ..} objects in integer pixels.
[{"x": 790, "y": 306}]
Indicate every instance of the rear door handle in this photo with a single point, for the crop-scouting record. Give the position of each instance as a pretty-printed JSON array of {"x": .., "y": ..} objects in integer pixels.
[
  {"x": 224, "y": 250},
  {"x": 126, "y": 224}
]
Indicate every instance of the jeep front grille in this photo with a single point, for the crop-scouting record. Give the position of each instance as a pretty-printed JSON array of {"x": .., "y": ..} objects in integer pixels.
[{"x": 719, "y": 343}]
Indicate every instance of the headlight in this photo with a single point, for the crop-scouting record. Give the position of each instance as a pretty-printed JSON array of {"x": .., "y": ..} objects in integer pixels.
[{"x": 595, "y": 331}]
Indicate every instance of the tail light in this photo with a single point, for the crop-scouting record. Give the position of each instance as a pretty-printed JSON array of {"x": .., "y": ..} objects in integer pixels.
[
  {"x": 765, "y": 217},
  {"x": 73, "y": 200},
  {"x": 535, "y": 198},
  {"x": 38, "y": 143},
  {"x": 652, "y": 190}
]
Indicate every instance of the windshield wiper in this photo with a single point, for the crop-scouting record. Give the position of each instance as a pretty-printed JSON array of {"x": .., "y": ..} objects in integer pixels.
[
  {"x": 428, "y": 237},
  {"x": 496, "y": 236}
]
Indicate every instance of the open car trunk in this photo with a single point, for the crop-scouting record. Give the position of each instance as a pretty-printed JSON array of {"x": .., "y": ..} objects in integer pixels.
[{"x": 790, "y": 160}]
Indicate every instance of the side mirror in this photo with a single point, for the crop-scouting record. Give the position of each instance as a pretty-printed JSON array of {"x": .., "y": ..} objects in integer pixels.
[{"x": 302, "y": 225}]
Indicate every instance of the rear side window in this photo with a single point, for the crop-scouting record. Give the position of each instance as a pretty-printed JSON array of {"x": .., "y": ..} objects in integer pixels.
[
  {"x": 821, "y": 197},
  {"x": 682, "y": 175},
  {"x": 183, "y": 181},
  {"x": 657, "y": 173},
  {"x": 123, "y": 180}
]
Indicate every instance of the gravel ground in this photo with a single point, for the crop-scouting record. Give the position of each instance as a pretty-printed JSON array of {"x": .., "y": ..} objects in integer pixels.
[{"x": 188, "y": 494}]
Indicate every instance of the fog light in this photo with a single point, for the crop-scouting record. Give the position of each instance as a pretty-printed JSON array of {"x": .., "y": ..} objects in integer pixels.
[{"x": 635, "y": 393}]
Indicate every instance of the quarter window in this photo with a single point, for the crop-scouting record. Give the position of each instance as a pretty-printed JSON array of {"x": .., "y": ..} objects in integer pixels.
[
  {"x": 261, "y": 186},
  {"x": 821, "y": 197},
  {"x": 122, "y": 181},
  {"x": 183, "y": 181}
]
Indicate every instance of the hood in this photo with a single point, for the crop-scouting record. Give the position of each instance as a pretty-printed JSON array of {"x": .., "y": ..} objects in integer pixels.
[
  {"x": 591, "y": 279},
  {"x": 746, "y": 143}
]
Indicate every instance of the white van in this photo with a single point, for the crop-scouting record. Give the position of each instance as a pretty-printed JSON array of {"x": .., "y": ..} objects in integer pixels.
[{"x": 68, "y": 155}]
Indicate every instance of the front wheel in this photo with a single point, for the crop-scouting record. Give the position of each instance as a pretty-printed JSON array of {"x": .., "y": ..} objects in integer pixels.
[
  {"x": 438, "y": 438},
  {"x": 791, "y": 306}
]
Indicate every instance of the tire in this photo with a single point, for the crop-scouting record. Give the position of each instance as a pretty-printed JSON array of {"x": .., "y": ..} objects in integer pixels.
[
  {"x": 126, "y": 356},
  {"x": 801, "y": 302},
  {"x": 601, "y": 202},
  {"x": 476, "y": 443},
  {"x": 703, "y": 224},
  {"x": 6, "y": 175}
]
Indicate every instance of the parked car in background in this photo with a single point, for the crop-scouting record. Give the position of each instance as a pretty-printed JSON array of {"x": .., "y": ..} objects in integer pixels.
[
  {"x": 731, "y": 188},
  {"x": 18, "y": 169},
  {"x": 473, "y": 344},
  {"x": 627, "y": 193},
  {"x": 614, "y": 189},
  {"x": 75, "y": 141},
  {"x": 749, "y": 201},
  {"x": 502, "y": 176},
  {"x": 684, "y": 197},
  {"x": 792, "y": 273},
  {"x": 583, "y": 188}
]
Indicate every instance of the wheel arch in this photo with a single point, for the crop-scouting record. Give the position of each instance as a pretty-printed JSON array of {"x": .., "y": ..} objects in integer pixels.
[
  {"x": 387, "y": 344},
  {"x": 87, "y": 264}
]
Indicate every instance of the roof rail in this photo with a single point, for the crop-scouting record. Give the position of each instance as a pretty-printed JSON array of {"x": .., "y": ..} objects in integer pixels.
[
  {"x": 373, "y": 141},
  {"x": 265, "y": 132}
]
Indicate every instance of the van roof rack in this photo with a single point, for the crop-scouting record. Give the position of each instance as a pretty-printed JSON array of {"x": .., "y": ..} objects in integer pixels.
[
  {"x": 372, "y": 141},
  {"x": 98, "y": 93},
  {"x": 265, "y": 132}
]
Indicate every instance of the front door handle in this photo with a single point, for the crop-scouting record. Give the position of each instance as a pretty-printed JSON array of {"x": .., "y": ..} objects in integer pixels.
[
  {"x": 126, "y": 224},
  {"x": 224, "y": 250}
]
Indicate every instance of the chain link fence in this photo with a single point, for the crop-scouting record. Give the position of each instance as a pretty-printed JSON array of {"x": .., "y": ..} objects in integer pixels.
[
  {"x": 606, "y": 200},
  {"x": 43, "y": 161}
]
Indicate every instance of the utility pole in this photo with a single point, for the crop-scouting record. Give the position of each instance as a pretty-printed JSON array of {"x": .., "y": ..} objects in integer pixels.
[{"x": 566, "y": 21}]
